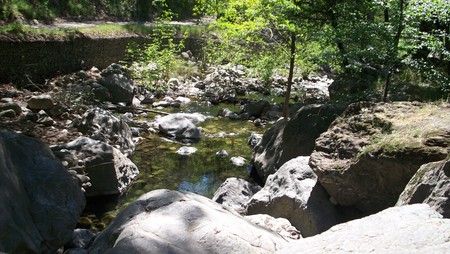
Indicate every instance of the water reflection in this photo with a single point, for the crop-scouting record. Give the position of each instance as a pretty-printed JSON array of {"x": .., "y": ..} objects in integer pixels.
[{"x": 202, "y": 172}]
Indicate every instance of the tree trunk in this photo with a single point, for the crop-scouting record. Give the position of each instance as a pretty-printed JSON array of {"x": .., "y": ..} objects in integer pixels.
[
  {"x": 290, "y": 77},
  {"x": 392, "y": 56}
]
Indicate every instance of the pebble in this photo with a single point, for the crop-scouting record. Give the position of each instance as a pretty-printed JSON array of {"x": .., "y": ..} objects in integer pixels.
[{"x": 186, "y": 150}]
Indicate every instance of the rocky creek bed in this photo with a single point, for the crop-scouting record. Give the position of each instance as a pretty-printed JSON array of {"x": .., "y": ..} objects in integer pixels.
[{"x": 330, "y": 174}]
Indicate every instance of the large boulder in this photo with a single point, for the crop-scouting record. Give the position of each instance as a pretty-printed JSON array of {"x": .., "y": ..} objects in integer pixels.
[
  {"x": 257, "y": 108},
  {"x": 406, "y": 229},
  {"x": 181, "y": 126},
  {"x": 100, "y": 124},
  {"x": 235, "y": 193},
  {"x": 289, "y": 139},
  {"x": 40, "y": 202},
  {"x": 370, "y": 153},
  {"x": 294, "y": 193},
  {"x": 110, "y": 172},
  {"x": 120, "y": 86},
  {"x": 165, "y": 221},
  {"x": 430, "y": 185}
]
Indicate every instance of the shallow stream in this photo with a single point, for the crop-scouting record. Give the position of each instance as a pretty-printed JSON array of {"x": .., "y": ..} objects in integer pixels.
[{"x": 202, "y": 172}]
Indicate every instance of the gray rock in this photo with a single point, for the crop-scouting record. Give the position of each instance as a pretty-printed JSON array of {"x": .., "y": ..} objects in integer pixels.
[
  {"x": 224, "y": 112},
  {"x": 222, "y": 154},
  {"x": 75, "y": 251},
  {"x": 289, "y": 139},
  {"x": 181, "y": 126},
  {"x": 10, "y": 113},
  {"x": 183, "y": 100},
  {"x": 119, "y": 85},
  {"x": 430, "y": 185},
  {"x": 165, "y": 221},
  {"x": 101, "y": 125},
  {"x": 406, "y": 229},
  {"x": 46, "y": 121},
  {"x": 43, "y": 101},
  {"x": 110, "y": 171},
  {"x": 294, "y": 193},
  {"x": 6, "y": 100},
  {"x": 235, "y": 193},
  {"x": 280, "y": 226},
  {"x": 256, "y": 109},
  {"x": 12, "y": 105},
  {"x": 40, "y": 201},
  {"x": 173, "y": 82},
  {"x": 80, "y": 239},
  {"x": 254, "y": 139},
  {"x": 148, "y": 99},
  {"x": 163, "y": 104},
  {"x": 58, "y": 110},
  {"x": 100, "y": 92}
]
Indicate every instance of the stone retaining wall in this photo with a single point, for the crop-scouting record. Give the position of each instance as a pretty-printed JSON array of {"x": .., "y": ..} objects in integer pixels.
[{"x": 23, "y": 62}]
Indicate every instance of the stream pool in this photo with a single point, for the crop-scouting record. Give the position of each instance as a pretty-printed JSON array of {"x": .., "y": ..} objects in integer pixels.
[{"x": 161, "y": 167}]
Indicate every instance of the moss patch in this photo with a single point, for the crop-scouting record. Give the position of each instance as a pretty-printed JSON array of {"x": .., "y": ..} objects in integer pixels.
[{"x": 410, "y": 125}]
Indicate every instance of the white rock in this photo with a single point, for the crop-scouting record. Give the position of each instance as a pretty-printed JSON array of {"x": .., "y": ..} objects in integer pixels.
[
  {"x": 238, "y": 161},
  {"x": 186, "y": 150}
]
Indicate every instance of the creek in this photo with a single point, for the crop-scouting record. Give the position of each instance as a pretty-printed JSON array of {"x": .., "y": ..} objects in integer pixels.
[{"x": 162, "y": 168}]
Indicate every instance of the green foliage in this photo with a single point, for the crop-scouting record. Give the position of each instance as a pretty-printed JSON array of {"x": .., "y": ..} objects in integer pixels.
[
  {"x": 140, "y": 10},
  {"x": 155, "y": 61}
]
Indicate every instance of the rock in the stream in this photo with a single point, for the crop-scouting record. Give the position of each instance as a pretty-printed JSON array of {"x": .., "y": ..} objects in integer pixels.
[
  {"x": 235, "y": 193},
  {"x": 165, "y": 221},
  {"x": 100, "y": 124},
  {"x": 40, "y": 202},
  {"x": 289, "y": 139},
  {"x": 43, "y": 101},
  {"x": 110, "y": 171},
  {"x": 222, "y": 154},
  {"x": 186, "y": 150},
  {"x": 181, "y": 126},
  {"x": 237, "y": 161},
  {"x": 370, "y": 152},
  {"x": 403, "y": 230},
  {"x": 294, "y": 193},
  {"x": 430, "y": 185}
]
